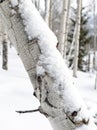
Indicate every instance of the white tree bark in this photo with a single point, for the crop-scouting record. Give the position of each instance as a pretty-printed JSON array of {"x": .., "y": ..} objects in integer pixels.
[
  {"x": 67, "y": 29},
  {"x": 62, "y": 35},
  {"x": 79, "y": 6},
  {"x": 95, "y": 42},
  {"x": 65, "y": 112},
  {"x": 95, "y": 31},
  {"x": 48, "y": 12}
]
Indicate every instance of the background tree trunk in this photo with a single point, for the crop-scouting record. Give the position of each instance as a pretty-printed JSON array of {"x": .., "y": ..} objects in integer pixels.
[
  {"x": 95, "y": 32},
  {"x": 95, "y": 42},
  {"x": 63, "y": 23},
  {"x": 48, "y": 12},
  {"x": 79, "y": 7},
  {"x": 67, "y": 29},
  {"x": 5, "y": 53}
]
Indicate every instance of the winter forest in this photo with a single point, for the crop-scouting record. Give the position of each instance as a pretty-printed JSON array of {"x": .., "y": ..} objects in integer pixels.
[{"x": 48, "y": 65}]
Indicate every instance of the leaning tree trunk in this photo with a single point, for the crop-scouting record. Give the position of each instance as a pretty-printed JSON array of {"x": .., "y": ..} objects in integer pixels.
[
  {"x": 78, "y": 19},
  {"x": 36, "y": 45},
  {"x": 5, "y": 53}
]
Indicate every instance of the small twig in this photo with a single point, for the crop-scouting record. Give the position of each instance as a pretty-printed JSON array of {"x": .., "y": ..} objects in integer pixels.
[{"x": 27, "y": 111}]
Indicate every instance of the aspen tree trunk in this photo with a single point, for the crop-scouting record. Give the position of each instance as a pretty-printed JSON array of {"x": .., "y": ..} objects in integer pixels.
[
  {"x": 79, "y": 7},
  {"x": 38, "y": 4},
  {"x": 89, "y": 57},
  {"x": 5, "y": 53},
  {"x": 0, "y": 43},
  {"x": 53, "y": 87},
  {"x": 62, "y": 35},
  {"x": 95, "y": 42},
  {"x": 48, "y": 12},
  {"x": 0, "y": 36},
  {"x": 67, "y": 29},
  {"x": 95, "y": 31},
  {"x": 72, "y": 44}
]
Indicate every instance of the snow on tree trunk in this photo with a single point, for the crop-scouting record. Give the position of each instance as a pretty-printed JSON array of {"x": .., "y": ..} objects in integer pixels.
[
  {"x": 5, "y": 53},
  {"x": 62, "y": 35},
  {"x": 36, "y": 44},
  {"x": 79, "y": 6}
]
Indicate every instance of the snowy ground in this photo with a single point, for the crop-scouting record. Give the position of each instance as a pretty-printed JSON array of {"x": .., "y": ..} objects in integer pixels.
[{"x": 16, "y": 93}]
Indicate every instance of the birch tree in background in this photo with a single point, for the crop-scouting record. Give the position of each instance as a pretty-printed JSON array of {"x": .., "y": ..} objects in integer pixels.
[
  {"x": 72, "y": 45},
  {"x": 48, "y": 12},
  {"x": 78, "y": 19},
  {"x": 95, "y": 42},
  {"x": 95, "y": 32},
  {"x": 67, "y": 29},
  {"x": 0, "y": 35},
  {"x": 37, "y": 4},
  {"x": 5, "y": 53},
  {"x": 63, "y": 23},
  {"x": 0, "y": 42},
  {"x": 59, "y": 100}
]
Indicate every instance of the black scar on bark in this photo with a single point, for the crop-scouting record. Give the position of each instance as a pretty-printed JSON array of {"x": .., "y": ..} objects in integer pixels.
[
  {"x": 74, "y": 114},
  {"x": 39, "y": 80},
  {"x": 57, "y": 45}
]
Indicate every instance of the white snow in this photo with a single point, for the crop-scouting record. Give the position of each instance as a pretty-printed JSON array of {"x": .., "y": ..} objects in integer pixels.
[
  {"x": 16, "y": 93},
  {"x": 14, "y": 3}
]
